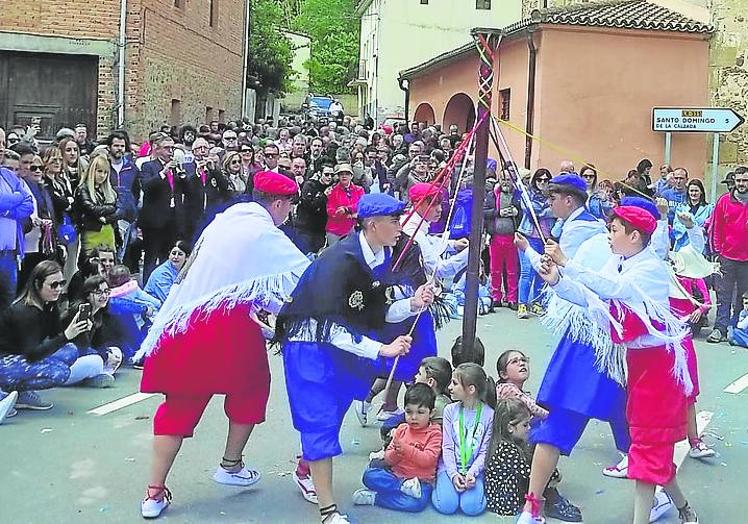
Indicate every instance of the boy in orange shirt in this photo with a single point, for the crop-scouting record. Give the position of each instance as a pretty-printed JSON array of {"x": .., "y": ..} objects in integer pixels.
[{"x": 404, "y": 480}]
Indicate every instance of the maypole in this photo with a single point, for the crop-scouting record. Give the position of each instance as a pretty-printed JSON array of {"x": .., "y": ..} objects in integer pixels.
[{"x": 487, "y": 42}]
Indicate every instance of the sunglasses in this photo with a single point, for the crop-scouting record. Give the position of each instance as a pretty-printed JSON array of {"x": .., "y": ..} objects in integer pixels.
[
  {"x": 58, "y": 284},
  {"x": 544, "y": 179},
  {"x": 101, "y": 292},
  {"x": 271, "y": 155},
  {"x": 229, "y": 138},
  {"x": 35, "y": 168},
  {"x": 235, "y": 162}
]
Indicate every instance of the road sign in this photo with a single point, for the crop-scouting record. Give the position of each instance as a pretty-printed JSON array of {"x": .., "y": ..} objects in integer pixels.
[{"x": 695, "y": 119}]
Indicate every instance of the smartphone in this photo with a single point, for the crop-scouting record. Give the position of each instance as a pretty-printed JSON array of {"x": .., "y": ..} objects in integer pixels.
[{"x": 84, "y": 312}]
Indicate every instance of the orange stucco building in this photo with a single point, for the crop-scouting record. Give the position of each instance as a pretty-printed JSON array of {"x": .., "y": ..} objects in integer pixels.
[{"x": 598, "y": 70}]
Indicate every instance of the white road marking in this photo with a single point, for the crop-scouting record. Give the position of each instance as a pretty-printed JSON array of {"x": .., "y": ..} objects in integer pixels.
[
  {"x": 737, "y": 386},
  {"x": 121, "y": 403}
]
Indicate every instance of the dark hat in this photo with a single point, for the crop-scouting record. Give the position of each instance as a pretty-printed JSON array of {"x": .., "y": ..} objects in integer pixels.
[
  {"x": 379, "y": 205},
  {"x": 643, "y": 203},
  {"x": 570, "y": 182},
  {"x": 729, "y": 178}
]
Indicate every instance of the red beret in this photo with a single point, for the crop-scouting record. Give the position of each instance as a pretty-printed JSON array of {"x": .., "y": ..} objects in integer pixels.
[
  {"x": 421, "y": 191},
  {"x": 275, "y": 184},
  {"x": 639, "y": 218}
]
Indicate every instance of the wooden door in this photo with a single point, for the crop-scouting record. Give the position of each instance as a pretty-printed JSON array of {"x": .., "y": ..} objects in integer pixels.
[{"x": 61, "y": 90}]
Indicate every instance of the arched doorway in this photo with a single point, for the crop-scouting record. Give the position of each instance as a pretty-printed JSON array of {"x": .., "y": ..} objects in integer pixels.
[
  {"x": 460, "y": 110},
  {"x": 424, "y": 113}
]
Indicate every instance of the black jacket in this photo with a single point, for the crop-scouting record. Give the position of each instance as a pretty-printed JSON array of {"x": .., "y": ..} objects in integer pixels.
[
  {"x": 199, "y": 197},
  {"x": 158, "y": 197},
  {"x": 311, "y": 212},
  {"x": 31, "y": 332},
  {"x": 90, "y": 213}
]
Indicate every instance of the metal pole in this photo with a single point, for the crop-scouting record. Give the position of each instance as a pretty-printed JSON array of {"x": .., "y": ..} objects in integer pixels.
[
  {"x": 487, "y": 43},
  {"x": 668, "y": 147},
  {"x": 715, "y": 165}
]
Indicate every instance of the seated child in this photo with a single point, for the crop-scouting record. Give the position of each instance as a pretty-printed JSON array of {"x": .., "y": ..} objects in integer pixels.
[
  {"x": 513, "y": 368},
  {"x": 436, "y": 373},
  {"x": 131, "y": 308},
  {"x": 403, "y": 481},
  {"x": 740, "y": 333},
  {"x": 466, "y": 433},
  {"x": 509, "y": 457}
]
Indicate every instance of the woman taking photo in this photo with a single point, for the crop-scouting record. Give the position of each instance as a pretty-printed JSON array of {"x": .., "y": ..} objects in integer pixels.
[
  {"x": 35, "y": 351},
  {"x": 98, "y": 340},
  {"x": 96, "y": 202},
  {"x": 696, "y": 207},
  {"x": 163, "y": 277}
]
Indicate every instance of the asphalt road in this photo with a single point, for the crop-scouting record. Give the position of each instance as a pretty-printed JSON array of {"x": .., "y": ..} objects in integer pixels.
[{"x": 68, "y": 465}]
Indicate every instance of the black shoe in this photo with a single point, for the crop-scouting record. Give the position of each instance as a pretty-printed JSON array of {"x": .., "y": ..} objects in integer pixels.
[
  {"x": 512, "y": 305},
  {"x": 496, "y": 303},
  {"x": 562, "y": 509}
]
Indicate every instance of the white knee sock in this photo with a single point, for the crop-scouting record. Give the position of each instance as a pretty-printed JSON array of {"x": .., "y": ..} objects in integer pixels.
[{"x": 85, "y": 367}]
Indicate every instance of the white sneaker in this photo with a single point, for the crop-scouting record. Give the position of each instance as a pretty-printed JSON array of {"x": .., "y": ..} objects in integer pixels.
[
  {"x": 620, "y": 470},
  {"x": 527, "y": 518},
  {"x": 386, "y": 415},
  {"x": 243, "y": 478},
  {"x": 661, "y": 504},
  {"x": 6, "y": 405},
  {"x": 113, "y": 361},
  {"x": 364, "y": 497},
  {"x": 701, "y": 450},
  {"x": 336, "y": 518},
  {"x": 306, "y": 486},
  {"x": 151, "y": 508},
  {"x": 412, "y": 487},
  {"x": 361, "y": 408}
]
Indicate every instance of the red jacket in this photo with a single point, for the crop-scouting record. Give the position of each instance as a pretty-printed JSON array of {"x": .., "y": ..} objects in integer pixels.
[
  {"x": 419, "y": 452},
  {"x": 343, "y": 224},
  {"x": 730, "y": 228}
]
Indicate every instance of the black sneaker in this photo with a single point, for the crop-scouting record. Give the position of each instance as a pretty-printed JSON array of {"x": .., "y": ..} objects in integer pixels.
[{"x": 562, "y": 509}]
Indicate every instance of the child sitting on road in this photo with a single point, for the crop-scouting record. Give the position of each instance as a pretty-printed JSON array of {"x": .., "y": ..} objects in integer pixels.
[
  {"x": 740, "y": 333},
  {"x": 131, "y": 307},
  {"x": 435, "y": 372},
  {"x": 467, "y": 432},
  {"x": 513, "y": 368},
  {"x": 403, "y": 481},
  {"x": 508, "y": 464}
]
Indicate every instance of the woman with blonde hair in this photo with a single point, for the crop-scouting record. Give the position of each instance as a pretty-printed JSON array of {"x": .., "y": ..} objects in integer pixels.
[
  {"x": 96, "y": 203},
  {"x": 232, "y": 171},
  {"x": 72, "y": 164}
]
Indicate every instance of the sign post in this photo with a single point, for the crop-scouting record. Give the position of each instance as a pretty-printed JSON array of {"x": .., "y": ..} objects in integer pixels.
[{"x": 714, "y": 120}]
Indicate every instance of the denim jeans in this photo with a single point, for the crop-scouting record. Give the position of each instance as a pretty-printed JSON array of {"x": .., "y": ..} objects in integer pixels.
[
  {"x": 734, "y": 274},
  {"x": 530, "y": 282},
  {"x": 447, "y": 500},
  {"x": 8, "y": 278},
  {"x": 19, "y": 374},
  {"x": 387, "y": 487}
]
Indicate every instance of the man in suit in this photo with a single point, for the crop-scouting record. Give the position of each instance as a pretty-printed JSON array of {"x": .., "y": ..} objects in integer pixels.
[
  {"x": 204, "y": 187},
  {"x": 161, "y": 217}
]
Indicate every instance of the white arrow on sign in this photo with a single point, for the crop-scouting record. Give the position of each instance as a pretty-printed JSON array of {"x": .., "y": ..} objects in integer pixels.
[{"x": 695, "y": 119}]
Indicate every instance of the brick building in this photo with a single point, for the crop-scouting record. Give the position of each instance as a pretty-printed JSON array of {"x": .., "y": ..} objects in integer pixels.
[{"x": 183, "y": 61}]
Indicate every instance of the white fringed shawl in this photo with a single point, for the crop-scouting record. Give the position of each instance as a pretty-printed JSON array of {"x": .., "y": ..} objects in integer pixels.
[{"x": 241, "y": 258}]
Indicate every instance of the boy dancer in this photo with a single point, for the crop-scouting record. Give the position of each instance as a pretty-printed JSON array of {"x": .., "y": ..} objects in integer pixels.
[
  {"x": 574, "y": 390},
  {"x": 630, "y": 296},
  {"x": 343, "y": 298},
  {"x": 203, "y": 341}
]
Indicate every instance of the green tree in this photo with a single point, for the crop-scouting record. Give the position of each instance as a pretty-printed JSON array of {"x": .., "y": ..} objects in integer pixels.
[
  {"x": 334, "y": 29},
  {"x": 270, "y": 52}
]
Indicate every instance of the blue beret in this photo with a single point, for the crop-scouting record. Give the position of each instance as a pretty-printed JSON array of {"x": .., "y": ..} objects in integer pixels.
[
  {"x": 642, "y": 203},
  {"x": 379, "y": 205},
  {"x": 570, "y": 181}
]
